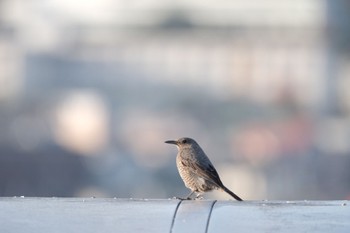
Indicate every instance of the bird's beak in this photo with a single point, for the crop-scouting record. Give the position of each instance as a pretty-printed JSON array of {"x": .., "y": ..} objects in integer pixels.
[{"x": 171, "y": 142}]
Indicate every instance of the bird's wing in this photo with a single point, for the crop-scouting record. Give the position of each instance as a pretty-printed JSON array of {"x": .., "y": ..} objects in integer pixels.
[{"x": 204, "y": 169}]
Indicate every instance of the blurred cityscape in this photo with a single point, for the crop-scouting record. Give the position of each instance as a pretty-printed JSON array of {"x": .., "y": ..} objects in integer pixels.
[{"x": 90, "y": 90}]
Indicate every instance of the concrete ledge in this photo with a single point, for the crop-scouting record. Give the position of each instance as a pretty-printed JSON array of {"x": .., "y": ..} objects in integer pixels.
[{"x": 131, "y": 215}]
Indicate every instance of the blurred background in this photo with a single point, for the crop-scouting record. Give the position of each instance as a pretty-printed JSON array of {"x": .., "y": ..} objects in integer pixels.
[{"x": 90, "y": 90}]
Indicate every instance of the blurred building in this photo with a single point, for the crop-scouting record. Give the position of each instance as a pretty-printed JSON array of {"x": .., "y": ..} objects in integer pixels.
[{"x": 262, "y": 84}]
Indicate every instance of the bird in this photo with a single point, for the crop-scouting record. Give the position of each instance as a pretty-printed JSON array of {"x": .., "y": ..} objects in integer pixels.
[{"x": 196, "y": 170}]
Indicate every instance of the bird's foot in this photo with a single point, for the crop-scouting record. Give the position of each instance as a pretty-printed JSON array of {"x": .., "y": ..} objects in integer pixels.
[
  {"x": 199, "y": 197},
  {"x": 182, "y": 198}
]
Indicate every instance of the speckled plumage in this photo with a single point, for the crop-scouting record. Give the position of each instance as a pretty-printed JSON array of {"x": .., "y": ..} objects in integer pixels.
[{"x": 196, "y": 170}]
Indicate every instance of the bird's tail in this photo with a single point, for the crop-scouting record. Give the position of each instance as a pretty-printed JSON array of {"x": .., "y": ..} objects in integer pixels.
[{"x": 231, "y": 193}]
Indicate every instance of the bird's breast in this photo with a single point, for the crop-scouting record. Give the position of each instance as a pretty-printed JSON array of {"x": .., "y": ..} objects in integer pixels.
[{"x": 190, "y": 177}]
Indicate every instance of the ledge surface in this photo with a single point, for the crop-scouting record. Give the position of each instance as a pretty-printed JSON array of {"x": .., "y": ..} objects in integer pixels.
[{"x": 93, "y": 215}]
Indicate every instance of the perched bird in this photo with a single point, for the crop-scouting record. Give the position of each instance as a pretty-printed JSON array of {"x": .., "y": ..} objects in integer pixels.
[{"x": 196, "y": 170}]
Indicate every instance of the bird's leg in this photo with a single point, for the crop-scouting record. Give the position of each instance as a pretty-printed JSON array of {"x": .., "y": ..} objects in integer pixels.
[
  {"x": 188, "y": 197},
  {"x": 199, "y": 196}
]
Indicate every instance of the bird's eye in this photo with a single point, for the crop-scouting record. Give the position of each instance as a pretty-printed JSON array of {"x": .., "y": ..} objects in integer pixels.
[{"x": 184, "y": 141}]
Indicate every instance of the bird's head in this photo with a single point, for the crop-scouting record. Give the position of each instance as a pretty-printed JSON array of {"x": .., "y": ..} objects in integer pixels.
[{"x": 182, "y": 143}]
